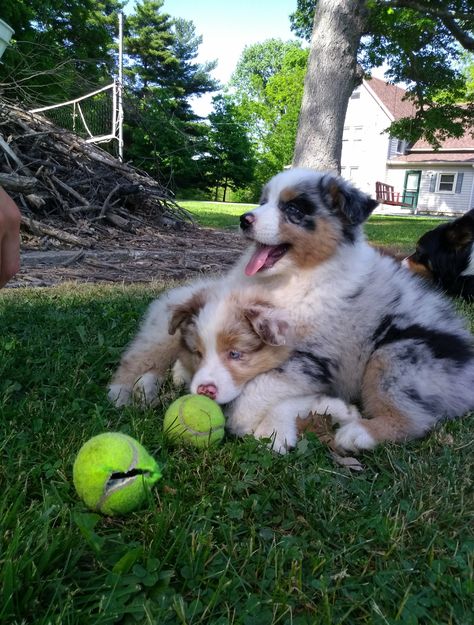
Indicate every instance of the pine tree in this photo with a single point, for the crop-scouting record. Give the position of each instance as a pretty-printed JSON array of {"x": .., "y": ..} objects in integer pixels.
[{"x": 166, "y": 137}]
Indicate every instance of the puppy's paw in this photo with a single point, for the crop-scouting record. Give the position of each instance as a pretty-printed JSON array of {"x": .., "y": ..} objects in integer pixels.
[
  {"x": 120, "y": 395},
  {"x": 338, "y": 409},
  {"x": 347, "y": 414},
  {"x": 280, "y": 441},
  {"x": 180, "y": 375},
  {"x": 145, "y": 389},
  {"x": 236, "y": 426},
  {"x": 354, "y": 436}
]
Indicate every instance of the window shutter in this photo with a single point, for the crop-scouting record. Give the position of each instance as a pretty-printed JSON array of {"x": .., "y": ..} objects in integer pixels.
[
  {"x": 433, "y": 183},
  {"x": 459, "y": 183}
]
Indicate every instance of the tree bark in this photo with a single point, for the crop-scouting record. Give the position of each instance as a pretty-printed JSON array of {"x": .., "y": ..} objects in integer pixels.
[{"x": 331, "y": 77}]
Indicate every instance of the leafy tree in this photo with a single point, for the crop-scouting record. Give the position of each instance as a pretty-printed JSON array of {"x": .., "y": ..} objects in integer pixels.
[
  {"x": 229, "y": 160},
  {"x": 258, "y": 63},
  {"x": 419, "y": 40},
  {"x": 62, "y": 46},
  {"x": 467, "y": 68},
  {"x": 268, "y": 84}
]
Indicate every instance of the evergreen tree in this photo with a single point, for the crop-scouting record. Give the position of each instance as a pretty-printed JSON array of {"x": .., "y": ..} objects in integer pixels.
[
  {"x": 149, "y": 44},
  {"x": 165, "y": 136}
]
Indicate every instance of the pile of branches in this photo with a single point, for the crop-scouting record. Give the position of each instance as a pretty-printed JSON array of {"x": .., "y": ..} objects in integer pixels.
[{"x": 56, "y": 178}]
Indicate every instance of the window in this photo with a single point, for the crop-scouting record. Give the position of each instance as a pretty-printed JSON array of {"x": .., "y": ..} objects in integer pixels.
[
  {"x": 355, "y": 95},
  {"x": 358, "y": 133},
  {"x": 353, "y": 173},
  {"x": 400, "y": 146},
  {"x": 345, "y": 134},
  {"x": 446, "y": 183}
]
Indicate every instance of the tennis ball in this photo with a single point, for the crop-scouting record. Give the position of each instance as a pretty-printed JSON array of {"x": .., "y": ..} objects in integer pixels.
[
  {"x": 112, "y": 473},
  {"x": 194, "y": 419}
]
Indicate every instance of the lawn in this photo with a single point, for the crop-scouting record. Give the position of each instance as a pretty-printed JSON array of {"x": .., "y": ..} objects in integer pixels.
[
  {"x": 232, "y": 535},
  {"x": 216, "y": 214}
]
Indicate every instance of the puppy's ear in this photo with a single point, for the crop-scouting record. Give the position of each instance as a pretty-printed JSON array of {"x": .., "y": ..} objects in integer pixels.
[
  {"x": 461, "y": 232},
  {"x": 267, "y": 324},
  {"x": 183, "y": 313},
  {"x": 351, "y": 205}
]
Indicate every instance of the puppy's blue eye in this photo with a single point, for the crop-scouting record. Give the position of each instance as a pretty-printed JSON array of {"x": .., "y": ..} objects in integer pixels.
[{"x": 234, "y": 355}]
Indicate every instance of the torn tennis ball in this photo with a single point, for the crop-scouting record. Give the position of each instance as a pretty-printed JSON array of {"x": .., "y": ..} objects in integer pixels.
[{"x": 113, "y": 473}]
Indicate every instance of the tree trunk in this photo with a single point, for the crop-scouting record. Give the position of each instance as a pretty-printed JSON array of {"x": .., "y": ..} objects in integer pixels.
[
  {"x": 225, "y": 189},
  {"x": 331, "y": 77}
]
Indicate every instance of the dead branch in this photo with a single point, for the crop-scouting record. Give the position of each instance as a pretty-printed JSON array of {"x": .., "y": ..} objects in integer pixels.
[
  {"x": 39, "y": 228},
  {"x": 75, "y": 181},
  {"x": 20, "y": 184}
]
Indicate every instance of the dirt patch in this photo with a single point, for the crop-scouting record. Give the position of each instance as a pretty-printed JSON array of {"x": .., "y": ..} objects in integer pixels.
[{"x": 144, "y": 256}]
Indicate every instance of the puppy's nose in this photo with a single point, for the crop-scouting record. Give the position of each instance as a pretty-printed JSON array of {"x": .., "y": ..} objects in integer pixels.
[
  {"x": 210, "y": 390},
  {"x": 247, "y": 220}
]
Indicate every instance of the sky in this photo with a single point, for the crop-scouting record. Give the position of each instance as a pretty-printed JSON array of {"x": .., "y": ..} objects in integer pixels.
[{"x": 227, "y": 27}]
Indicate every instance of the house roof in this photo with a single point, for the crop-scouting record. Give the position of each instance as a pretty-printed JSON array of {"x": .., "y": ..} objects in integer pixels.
[
  {"x": 435, "y": 157},
  {"x": 391, "y": 97},
  {"x": 452, "y": 143}
]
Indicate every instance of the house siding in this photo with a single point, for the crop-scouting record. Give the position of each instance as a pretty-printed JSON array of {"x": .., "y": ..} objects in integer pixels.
[
  {"x": 364, "y": 152},
  {"x": 433, "y": 201},
  {"x": 369, "y": 155}
]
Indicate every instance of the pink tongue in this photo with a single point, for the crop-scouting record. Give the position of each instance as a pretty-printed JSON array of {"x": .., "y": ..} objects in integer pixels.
[{"x": 258, "y": 259}]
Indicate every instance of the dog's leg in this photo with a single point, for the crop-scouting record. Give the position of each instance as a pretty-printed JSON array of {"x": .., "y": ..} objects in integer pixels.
[
  {"x": 280, "y": 426},
  {"x": 387, "y": 421},
  {"x": 270, "y": 404},
  {"x": 258, "y": 398},
  {"x": 181, "y": 376},
  {"x": 340, "y": 411},
  {"x": 149, "y": 356}
]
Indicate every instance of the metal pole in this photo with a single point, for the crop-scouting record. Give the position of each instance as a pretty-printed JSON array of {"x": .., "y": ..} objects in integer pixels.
[{"x": 120, "y": 88}]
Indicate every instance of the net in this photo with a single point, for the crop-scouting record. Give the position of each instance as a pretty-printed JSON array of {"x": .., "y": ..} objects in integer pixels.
[{"x": 94, "y": 117}]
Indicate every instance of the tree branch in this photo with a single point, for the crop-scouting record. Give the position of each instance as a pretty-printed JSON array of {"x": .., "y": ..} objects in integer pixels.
[{"x": 449, "y": 18}]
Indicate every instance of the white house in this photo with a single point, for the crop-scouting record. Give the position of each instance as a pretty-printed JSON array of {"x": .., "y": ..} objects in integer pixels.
[{"x": 438, "y": 182}]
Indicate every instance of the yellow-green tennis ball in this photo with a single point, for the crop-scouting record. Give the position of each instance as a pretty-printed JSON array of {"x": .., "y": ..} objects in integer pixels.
[
  {"x": 113, "y": 472},
  {"x": 194, "y": 419}
]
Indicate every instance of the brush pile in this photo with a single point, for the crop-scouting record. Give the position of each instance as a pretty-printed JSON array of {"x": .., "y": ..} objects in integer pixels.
[{"x": 72, "y": 190}]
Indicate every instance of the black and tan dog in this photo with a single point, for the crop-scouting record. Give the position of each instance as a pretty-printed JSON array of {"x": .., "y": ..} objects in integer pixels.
[{"x": 445, "y": 255}]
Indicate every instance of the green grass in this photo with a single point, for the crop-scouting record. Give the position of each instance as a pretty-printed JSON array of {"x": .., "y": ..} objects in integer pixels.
[
  {"x": 232, "y": 535},
  {"x": 216, "y": 214},
  {"x": 398, "y": 232}
]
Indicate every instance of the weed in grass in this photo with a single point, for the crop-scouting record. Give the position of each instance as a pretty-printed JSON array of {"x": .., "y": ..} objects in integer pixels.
[{"x": 233, "y": 534}]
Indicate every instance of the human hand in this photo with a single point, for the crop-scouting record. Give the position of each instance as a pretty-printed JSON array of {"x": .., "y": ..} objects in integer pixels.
[{"x": 9, "y": 238}]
